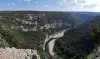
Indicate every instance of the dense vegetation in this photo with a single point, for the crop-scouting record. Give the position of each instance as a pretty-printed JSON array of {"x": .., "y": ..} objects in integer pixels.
[
  {"x": 8, "y": 38},
  {"x": 79, "y": 42},
  {"x": 15, "y": 27},
  {"x": 85, "y": 16},
  {"x": 35, "y": 39}
]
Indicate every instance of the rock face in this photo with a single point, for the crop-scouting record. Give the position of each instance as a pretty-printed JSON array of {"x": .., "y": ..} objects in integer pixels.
[
  {"x": 97, "y": 53},
  {"x": 13, "y": 53}
]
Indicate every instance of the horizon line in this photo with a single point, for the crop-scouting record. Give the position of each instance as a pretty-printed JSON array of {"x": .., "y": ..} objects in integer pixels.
[{"x": 47, "y": 11}]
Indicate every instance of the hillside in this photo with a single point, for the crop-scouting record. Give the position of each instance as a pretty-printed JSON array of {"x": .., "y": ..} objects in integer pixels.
[
  {"x": 29, "y": 29},
  {"x": 79, "y": 42},
  {"x": 85, "y": 16},
  {"x": 32, "y": 24}
]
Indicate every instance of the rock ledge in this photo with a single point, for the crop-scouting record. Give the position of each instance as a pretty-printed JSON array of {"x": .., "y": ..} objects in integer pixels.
[{"x": 13, "y": 53}]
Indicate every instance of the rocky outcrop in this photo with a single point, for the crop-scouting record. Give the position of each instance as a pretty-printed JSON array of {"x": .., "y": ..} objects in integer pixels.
[
  {"x": 13, "y": 53},
  {"x": 97, "y": 53}
]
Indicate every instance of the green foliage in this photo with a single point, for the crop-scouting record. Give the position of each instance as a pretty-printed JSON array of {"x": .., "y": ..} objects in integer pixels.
[
  {"x": 9, "y": 36},
  {"x": 80, "y": 41},
  {"x": 97, "y": 28},
  {"x": 41, "y": 53},
  {"x": 91, "y": 56},
  {"x": 32, "y": 39},
  {"x": 95, "y": 34},
  {"x": 92, "y": 34},
  {"x": 3, "y": 42}
]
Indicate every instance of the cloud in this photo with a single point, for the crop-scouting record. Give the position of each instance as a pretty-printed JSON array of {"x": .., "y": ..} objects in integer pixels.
[
  {"x": 45, "y": 5},
  {"x": 90, "y": 6},
  {"x": 8, "y": 4},
  {"x": 79, "y": 5},
  {"x": 36, "y": 2},
  {"x": 48, "y": 6},
  {"x": 13, "y": 4},
  {"x": 27, "y": 0}
]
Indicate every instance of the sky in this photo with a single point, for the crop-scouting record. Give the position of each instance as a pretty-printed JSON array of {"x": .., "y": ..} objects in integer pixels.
[{"x": 51, "y": 5}]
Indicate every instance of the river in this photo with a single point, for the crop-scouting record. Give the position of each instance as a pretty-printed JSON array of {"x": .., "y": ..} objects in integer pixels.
[{"x": 50, "y": 42}]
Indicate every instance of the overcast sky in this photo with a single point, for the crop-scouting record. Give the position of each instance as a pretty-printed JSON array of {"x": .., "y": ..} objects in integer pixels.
[{"x": 51, "y": 5}]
